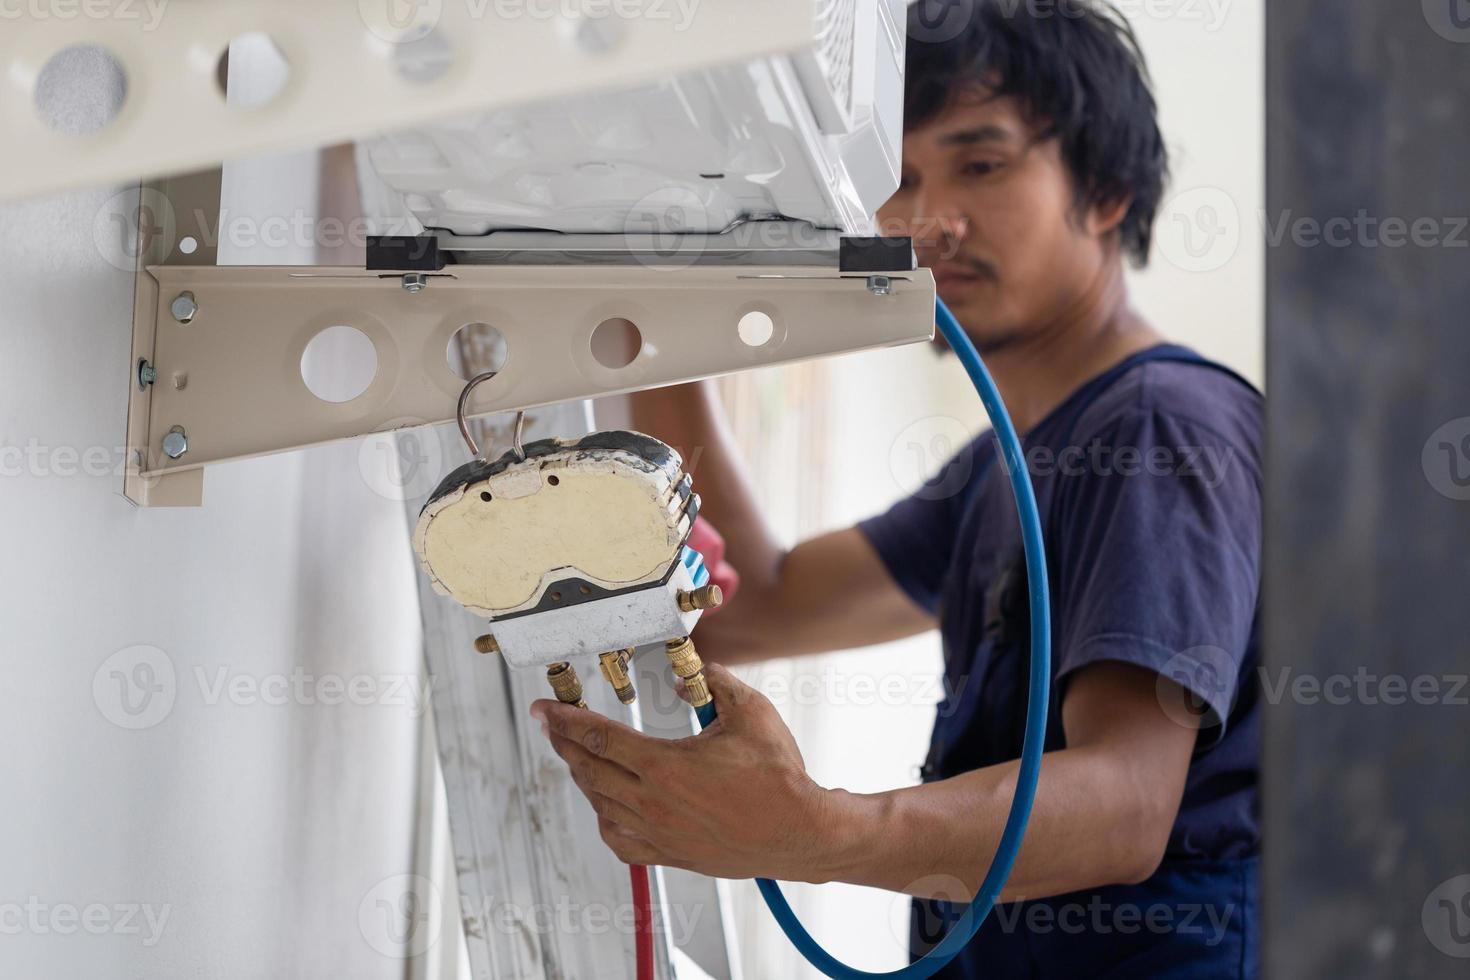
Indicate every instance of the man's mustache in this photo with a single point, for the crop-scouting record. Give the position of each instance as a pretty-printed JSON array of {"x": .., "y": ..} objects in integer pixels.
[{"x": 964, "y": 263}]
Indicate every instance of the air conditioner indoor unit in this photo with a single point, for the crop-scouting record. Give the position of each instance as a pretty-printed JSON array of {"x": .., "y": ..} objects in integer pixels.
[{"x": 777, "y": 155}]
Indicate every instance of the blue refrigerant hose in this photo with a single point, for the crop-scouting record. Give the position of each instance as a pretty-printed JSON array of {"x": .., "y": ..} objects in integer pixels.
[{"x": 1036, "y": 702}]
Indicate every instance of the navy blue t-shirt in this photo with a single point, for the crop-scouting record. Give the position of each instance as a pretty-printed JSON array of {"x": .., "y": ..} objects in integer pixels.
[{"x": 1148, "y": 480}]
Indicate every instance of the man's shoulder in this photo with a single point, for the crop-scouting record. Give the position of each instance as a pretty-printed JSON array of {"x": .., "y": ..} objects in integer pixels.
[{"x": 1186, "y": 393}]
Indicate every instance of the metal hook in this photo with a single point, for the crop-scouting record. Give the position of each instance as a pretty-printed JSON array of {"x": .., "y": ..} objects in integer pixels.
[{"x": 464, "y": 425}]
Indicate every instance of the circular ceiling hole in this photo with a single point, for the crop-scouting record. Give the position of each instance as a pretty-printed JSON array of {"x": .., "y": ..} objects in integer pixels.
[
  {"x": 485, "y": 496},
  {"x": 81, "y": 89},
  {"x": 339, "y": 364},
  {"x": 252, "y": 71},
  {"x": 424, "y": 60},
  {"x": 475, "y": 347},
  {"x": 756, "y": 328},
  {"x": 616, "y": 342},
  {"x": 553, "y": 480}
]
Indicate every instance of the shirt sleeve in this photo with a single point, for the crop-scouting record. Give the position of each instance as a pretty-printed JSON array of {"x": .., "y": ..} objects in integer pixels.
[
  {"x": 1156, "y": 558},
  {"x": 915, "y": 538}
]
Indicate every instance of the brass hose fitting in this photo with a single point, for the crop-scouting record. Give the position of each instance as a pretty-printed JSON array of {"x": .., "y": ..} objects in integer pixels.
[
  {"x": 686, "y": 663},
  {"x": 704, "y": 597},
  {"x": 566, "y": 684},
  {"x": 615, "y": 669}
]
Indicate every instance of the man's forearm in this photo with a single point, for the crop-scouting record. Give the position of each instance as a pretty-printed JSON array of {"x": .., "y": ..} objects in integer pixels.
[
  {"x": 690, "y": 419},
  {"x": 831, "y": 592},
  {"x": 1088, "y": 829}
]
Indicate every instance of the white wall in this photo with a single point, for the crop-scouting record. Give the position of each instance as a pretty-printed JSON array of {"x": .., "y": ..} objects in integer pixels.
[
  {"x": 1206, "y": 283},
  {"x": 254, "y": 832}
]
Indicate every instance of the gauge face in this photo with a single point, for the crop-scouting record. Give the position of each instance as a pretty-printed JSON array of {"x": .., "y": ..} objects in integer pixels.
[{"x": 571, "y": 522}]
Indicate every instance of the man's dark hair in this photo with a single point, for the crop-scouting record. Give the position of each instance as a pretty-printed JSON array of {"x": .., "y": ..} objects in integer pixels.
[{"x": 1076, "y": 68}]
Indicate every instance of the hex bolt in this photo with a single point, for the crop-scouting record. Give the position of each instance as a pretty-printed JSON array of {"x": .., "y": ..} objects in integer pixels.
[
  {"x": 147, "y": 374},
  {"x": 415, "y": 282},
  {"x": 184, "y": 307},
  {"x": 175, "y": 442},
  {"x": 880, "y": 285}
]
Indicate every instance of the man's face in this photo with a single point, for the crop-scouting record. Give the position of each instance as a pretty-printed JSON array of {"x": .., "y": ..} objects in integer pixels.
[{"x": 993, "y": 213}]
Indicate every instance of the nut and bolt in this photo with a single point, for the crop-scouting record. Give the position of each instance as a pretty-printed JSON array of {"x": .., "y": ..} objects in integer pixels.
[
  {"x": 565, "y": 684},
  {"x": 690, "y": 669},
  {"x": 880, "y": 285},
  {"x": 415, "y": 282},
  {"x": 184, "y": 307},
  {"x": 704, "y": 597},
  {"x": 175, "y": 442},
  {"x": 147, "y": 374}
]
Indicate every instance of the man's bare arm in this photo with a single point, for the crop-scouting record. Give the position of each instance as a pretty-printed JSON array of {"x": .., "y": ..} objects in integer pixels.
[
  {"x": 1104, "y": 809},
  {"x": 736, "y": 802},
  {"x": 829, "y": 593}
]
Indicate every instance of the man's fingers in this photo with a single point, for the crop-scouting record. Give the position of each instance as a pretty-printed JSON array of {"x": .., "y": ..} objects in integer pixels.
[
  {"x": 627, "y": 845},
  {"x": 704, "y": 539},
  {"x": 594, "y": 774},
  {"x": 710, "y": 543},
  {"x": 619, "y": 813},
  {"x": 601, "y": 736}
]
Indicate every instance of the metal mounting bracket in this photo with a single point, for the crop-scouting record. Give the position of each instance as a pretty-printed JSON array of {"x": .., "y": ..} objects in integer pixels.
[{"x": 225, "y": 345}]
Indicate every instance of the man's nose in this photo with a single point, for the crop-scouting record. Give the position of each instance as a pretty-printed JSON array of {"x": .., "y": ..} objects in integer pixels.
[
  {"x": 952, "y": 227},
  {"x": 939, "y": 223}
]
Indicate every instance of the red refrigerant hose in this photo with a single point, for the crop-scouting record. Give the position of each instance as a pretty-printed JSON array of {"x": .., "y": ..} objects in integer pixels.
[{"x": 642, "y": 920}]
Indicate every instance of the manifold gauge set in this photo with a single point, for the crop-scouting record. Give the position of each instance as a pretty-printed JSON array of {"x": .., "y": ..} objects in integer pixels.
[{"x": 573, "y": 549}]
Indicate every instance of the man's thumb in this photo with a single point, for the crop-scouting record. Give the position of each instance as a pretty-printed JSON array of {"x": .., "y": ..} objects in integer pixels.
[{"x": 732, "y": 695}]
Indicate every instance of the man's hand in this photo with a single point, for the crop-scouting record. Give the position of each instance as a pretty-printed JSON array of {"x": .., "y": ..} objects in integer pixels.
[
  {"x": 704, "y": 539},
  {"x": 733, "y": 801}
]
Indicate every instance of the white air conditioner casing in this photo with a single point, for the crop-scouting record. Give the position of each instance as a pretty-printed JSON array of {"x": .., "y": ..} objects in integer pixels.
[{"x": 812, "y": 136}]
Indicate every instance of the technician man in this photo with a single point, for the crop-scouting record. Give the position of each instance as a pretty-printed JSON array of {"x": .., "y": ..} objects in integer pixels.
[{"x": 1032, "y": 167}]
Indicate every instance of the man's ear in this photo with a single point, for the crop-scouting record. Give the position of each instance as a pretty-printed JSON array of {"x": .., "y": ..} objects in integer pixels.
[{"x": 1105, "y": 217}]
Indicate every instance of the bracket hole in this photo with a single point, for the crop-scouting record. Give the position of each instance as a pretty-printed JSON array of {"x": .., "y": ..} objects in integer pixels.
[
  {"x": 339, "y": 364},
  {"x": 423, "y": 60},
  {"x": 756, "y": 328},
  {"x": 252, "y": 71},
  {"x": 616, "y": 342},
  {"x": 81, "y": 90},
  {"x": 475, "y": 347}
]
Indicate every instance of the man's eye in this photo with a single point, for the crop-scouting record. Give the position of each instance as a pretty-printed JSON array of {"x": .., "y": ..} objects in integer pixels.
[{"x": 980, "y": 168}]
